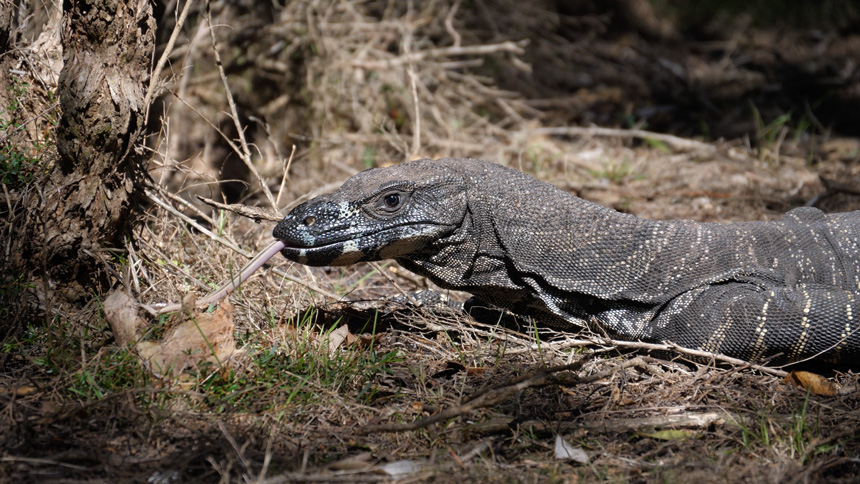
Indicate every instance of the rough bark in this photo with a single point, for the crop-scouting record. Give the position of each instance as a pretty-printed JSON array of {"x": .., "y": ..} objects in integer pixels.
[
  {"x": 7, "y": 11},
  {"x": 85, "y": 205}
]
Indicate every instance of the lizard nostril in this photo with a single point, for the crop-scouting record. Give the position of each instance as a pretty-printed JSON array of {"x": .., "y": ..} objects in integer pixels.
[{"x": 309, "y": 220}]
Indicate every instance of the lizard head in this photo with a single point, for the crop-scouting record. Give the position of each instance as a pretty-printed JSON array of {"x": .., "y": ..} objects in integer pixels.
[{"x": 381, "y": 213}]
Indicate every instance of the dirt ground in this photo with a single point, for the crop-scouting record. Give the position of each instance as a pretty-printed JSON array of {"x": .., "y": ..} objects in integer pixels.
[{"x": 720, "y": 115}]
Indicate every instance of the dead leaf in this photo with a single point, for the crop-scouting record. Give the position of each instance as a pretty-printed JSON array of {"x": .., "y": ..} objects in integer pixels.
[
  {"x": 813, "y": 382},
  {"x": 203, "y": 337},
  {"x": 337, "y": 337},
  {"x": 351, "y": 339},
  {"x": 566, "y": 451},
  {"x": 841, "y": 148},
  {"x": 121, "y": 313},
  {"x": 366, "y": 342}
]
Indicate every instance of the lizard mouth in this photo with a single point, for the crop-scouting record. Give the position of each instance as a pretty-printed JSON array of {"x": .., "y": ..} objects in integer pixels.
[
  {"x": 386, "y": 243},
  {"x": 322, "y": 255}
]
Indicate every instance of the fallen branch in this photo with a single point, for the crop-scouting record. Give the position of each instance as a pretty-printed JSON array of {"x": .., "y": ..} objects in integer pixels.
[
  {"x": 639, "y": 345},
  {"x": 683, "y": 420},
  {"x": 706, "y": 355},
  {"x": 680, "y": 144}
]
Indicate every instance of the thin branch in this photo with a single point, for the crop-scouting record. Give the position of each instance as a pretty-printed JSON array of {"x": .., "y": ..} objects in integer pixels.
[
  {"x": 670, "y": 347},
  {"x": 285, "y": 175},
  {"x": 254, "y": 213},
  {"x": 685, "y": 420},
  {"x": 416, "y": 128},
  {"x": 449, "y": 23},
  {"x": 156, "y": 73},
  {"x": 245, "y": 153},
  {"x": 394, "y": 283}
]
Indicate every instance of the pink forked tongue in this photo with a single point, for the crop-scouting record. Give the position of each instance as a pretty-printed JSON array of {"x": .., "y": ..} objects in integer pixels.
[{"x": 232, "y": 284}]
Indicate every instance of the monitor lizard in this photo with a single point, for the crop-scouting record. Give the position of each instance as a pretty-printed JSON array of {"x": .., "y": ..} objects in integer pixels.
[{"x": 750, "y": 290}]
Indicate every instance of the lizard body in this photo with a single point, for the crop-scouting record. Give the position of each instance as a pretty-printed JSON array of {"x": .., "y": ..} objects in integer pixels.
[{"x": 789, "y": 287}]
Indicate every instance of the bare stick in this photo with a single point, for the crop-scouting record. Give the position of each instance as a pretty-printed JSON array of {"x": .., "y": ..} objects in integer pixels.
[
  {"x": 309, "y": 285},
  {"x": 673, "y": 141},
  {"x": 245, "y": 154},
  {"x": 255, "y": 213},
  {"x": 285, "y": 175},
  {"x": 416, "y": 128},
  {"x": 669, "y": 346},
  {"x": 684, "y": 420},
  {"x": 156, "y": 73},
  {"x": 226, "y": 138},
  {"x": 507, "y": 46},
  {"x": 186, "y": 204},
  {"x": 161, "y": 203},
  {"x": 449, "y": 23},
  {"x": 394, "y": 283}
]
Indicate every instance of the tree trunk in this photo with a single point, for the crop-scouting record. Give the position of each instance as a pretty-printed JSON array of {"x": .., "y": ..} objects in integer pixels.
[
  {"x": 83, "y": 208},
  {"x": 7, "y": 16}
]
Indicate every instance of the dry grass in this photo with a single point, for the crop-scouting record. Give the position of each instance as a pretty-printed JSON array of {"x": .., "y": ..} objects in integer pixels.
[{"x": 354, "y": 85}]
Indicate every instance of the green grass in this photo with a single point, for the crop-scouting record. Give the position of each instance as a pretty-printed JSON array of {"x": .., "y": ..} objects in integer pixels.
[
  {"x": 296, "y": 371},
  {"x": 768, "y": 133},
  {"x": 368, "y": 157},
  {"x": 12, "y": 289},
  {"x": 615, "y": 171},
  {"x": 110, "y": 372},
  {"x": 21, "y": 163},
  {"x": 275, "y": 373},
  {"x": 796, "y": 436}
]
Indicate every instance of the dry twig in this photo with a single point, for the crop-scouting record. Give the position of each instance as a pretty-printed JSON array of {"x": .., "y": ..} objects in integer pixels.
[
  {"x": 507, "y": 46},
  {"x": 535, "y": 378},
  {"x": 254, "y": 213}
]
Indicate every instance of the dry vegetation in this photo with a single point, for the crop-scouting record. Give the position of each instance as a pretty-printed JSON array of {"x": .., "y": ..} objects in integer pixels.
[{"x": 352, "y": 85}]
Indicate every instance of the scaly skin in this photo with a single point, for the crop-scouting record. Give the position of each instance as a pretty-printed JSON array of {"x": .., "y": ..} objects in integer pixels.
[{"x": 789, "y": 287}]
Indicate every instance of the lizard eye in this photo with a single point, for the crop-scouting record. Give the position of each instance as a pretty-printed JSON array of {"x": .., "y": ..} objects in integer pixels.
[{"x": 392, "y": 200}]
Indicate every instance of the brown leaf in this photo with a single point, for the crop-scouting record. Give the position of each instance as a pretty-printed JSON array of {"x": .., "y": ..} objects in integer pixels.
[
  {"x": 121, "y": 313},
  {"x": 815, "y": 383},
  {"x": 337, "y": 337},
  {"x": 206, "y": 337}
]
